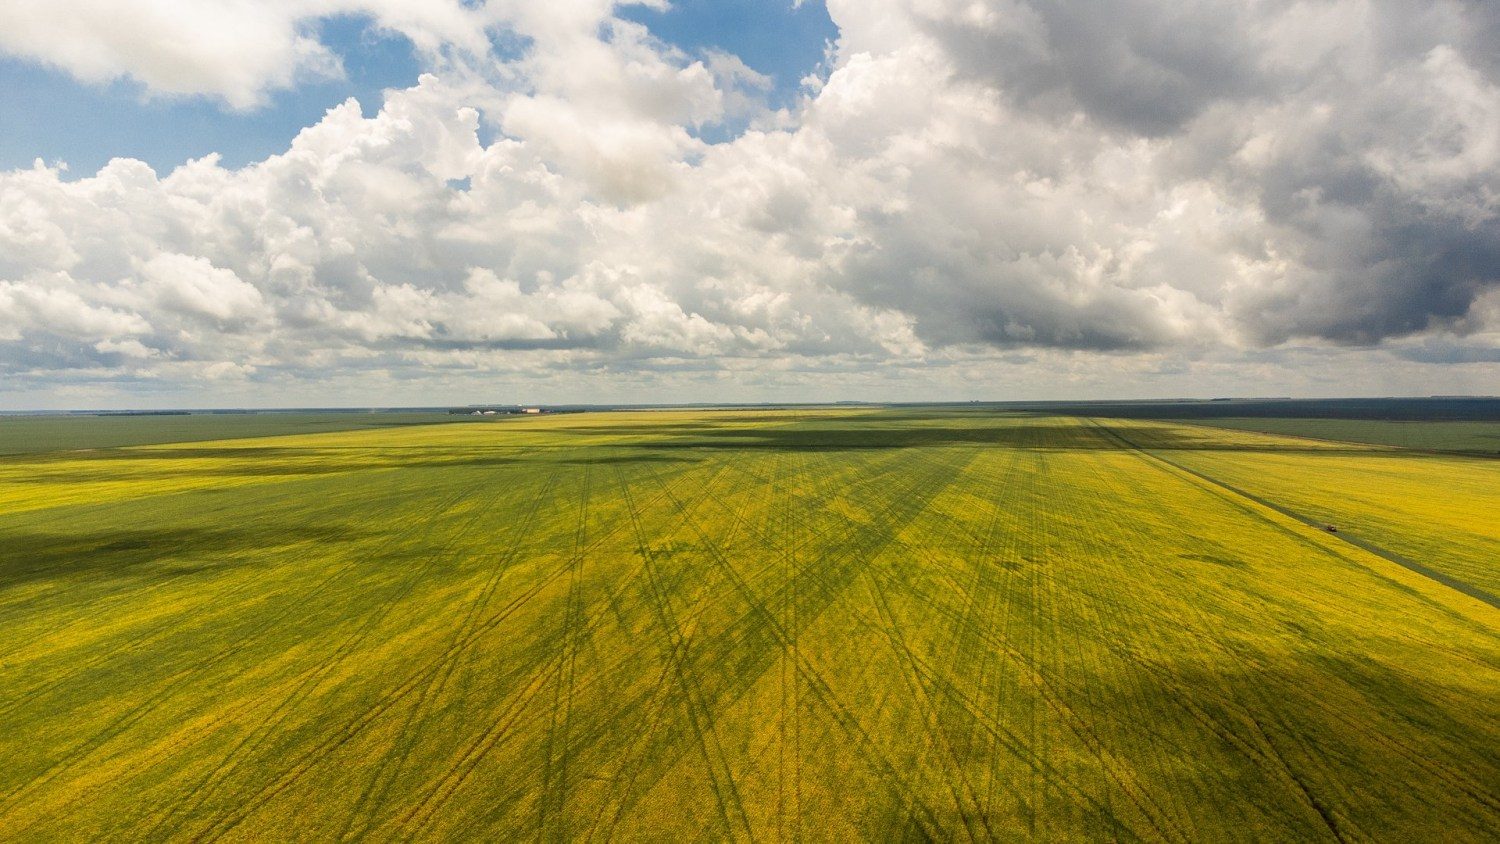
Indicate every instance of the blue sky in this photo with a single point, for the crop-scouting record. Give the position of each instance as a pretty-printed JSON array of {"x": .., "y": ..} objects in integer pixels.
[
  {"x": 51, "y": 116},
  {"x": 770, "y": 36},
  {"x": 47, "y": 114}
]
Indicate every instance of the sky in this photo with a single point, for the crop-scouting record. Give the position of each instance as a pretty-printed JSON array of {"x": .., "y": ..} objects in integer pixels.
[{"x": 425, "y": 202}]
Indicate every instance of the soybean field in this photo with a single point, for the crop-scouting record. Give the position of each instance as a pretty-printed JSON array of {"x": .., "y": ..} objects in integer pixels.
[{"x": 820, "y": 625}]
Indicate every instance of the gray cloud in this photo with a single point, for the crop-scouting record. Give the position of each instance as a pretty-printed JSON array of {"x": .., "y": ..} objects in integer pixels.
[
  {"x": 1358, "y": 142},
  {"x": 1139, "y": 66}
]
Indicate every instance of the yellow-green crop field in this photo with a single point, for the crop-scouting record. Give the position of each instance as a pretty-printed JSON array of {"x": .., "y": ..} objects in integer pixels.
[{"x": 816, "y": 625}]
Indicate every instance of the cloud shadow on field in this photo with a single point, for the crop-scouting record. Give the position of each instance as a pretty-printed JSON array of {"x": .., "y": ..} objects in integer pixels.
[
  {"x": 153, "y": 553},
  {"x": 1025, "y": 437},
  {"x": 271, "y": 463},
  {"x": 252, "y": 461},
  {"x": 1213, "y": 743},
  {"x": 620, "y": 459}
]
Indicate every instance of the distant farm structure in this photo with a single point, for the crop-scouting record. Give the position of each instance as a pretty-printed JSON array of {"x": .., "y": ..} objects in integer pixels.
[{"x": 506, "y": 410}]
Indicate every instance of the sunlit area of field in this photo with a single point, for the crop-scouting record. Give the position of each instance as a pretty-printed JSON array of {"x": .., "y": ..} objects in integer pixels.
[{"x": 768, "y": 625}]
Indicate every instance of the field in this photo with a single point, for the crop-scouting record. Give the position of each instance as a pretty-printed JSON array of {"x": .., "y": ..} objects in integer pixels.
[
  {"x": 1459, "y": 437},
  {"x": 822, "y": 625},
  {"x": 36, "y": 434}
]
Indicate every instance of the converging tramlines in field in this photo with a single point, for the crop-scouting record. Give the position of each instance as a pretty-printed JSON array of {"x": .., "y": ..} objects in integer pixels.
[{"x": 772, "y": 625}]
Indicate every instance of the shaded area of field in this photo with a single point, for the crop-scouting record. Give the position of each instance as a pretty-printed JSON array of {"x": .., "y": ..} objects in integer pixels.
[
  {"x": 37, "y": 434},
  {"x": 1431, "y": 409},
  {"x": 820, "y": 625},
  {"x": 1461, "y": 437}
]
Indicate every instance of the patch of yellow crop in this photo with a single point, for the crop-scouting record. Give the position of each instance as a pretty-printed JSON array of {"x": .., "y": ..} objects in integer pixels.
[{"x": 1435, "y": 509}]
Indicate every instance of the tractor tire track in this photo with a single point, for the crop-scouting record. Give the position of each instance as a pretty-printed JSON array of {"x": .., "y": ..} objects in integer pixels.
[
  {"x": 357, "y": 725},
  {"x": 169, "y": 688},
  {"x": 273, "y": 722},
  {"x": 387, "y": 771}
]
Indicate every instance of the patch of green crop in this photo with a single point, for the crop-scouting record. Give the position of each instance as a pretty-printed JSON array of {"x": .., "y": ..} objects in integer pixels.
[{"x": 827, "y": 625}]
